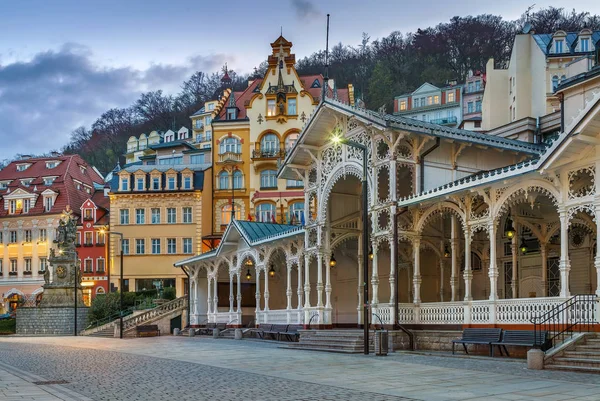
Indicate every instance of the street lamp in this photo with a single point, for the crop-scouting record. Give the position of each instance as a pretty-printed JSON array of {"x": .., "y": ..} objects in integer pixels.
[
  {"x": 365, "y": 201},
  {"x": 120, "y": 282}
]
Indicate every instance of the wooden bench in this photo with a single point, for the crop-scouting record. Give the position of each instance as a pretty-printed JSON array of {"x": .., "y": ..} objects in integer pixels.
[
  {"x": 478, "y": 336},
  {"x": 292, "y": 333},
  {"x": 276, "y": 331},
  {"x": 523, "y": 338},
  {"x": 150, "y": 330}
]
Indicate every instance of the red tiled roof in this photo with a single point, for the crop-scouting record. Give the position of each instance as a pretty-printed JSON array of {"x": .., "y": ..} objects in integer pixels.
[
  {"x": 66, "y": 172},
  {"x": 241, "y": 98}
]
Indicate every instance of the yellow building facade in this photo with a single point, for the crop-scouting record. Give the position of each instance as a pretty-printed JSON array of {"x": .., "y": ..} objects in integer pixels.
[{"x": 253, "y": 131}]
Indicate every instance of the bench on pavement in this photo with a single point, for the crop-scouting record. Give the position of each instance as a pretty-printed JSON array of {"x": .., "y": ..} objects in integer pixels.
[
  {"x": 149, "y": 330},
  {"x": 523, "y": 338},
  {"x": 275, "y": 331},
  {"x": 292, "y": 333},
  {"x": 208, "y": 329},
  {"x": 478, "y": 336}
]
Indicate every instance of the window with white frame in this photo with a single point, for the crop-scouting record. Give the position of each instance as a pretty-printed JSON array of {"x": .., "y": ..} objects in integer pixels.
[
  {"x": 43, "y": 235},
  {"x": 230, "y": 145},
  {"x": 100, "y": 238},
  {"x": 140, "y": 216},
  {"x": 125, "y": 246},
  {"x": 1, "y": 270},
  {"x": 139, "y": 183},
  {"x": 88, "y": 238},
  {"x": 140, "y": 246},
  {"x": 22, "y": 167},
  {"x": 171, "y": 183},
  {"x": 558, "y": 46},
  {"x": 268, "y": 179},
  {"x": 155, "y": 215},
  {"x": 100, "y": 265},
  {"x": 155, "y": 246},
  {"x": 290, "y": 140},
  {"x": 478, "y": 106},
  {"x": 27, "y": 236},
  {"x": 43, "y": 264},
  {"x": 124, "y": 216},
  {"x": 584, "y": 44},
  {"x": 26, "y": 205},
  {"x": 155, "y": 183},
  {"x": 171, "y": 245},
  {"x": 296, "y": 212},
  {"x": 49, "y": 181},
  {"x": 171, "y": 215},
  {"x": 402, "y": 105},
  {"x": 294, "y": 183},
  {"x": 223, "y": 180},
  {"x": 226, "y": 214},
  {"x": 470, "y": 108},
  {"x": 1, "y": 238},
  {"x": 436, "y": 99},
  {"x": 13, "y": 237},
  {"x": 187, "y": 182},
  {"x": 187, "y": 245},
  {"x": 271, "y": 108},
  {"x": 269, "y": 145},
  {"x": 51, "y": 164},
  {"x": 124, "y": 184},
  {"x": 48, "y": 203},
  {"x": 265, "y": 212},
  {"x": 187, "y": 214},
  {"x": 28, "y": 265},
  {"x": 291, "y": 107},
  {"x": 450, "y": 97},
  {"x": 238, "y": 179},
  {"x": 13, "y": 265}
]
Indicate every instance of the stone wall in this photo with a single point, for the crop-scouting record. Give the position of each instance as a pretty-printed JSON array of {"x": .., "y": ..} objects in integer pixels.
[{"x": 51, "y": 321}]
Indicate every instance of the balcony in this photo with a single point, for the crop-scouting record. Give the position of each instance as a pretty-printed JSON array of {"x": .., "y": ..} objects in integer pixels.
[
  {"x": 229, "y": 158},
  {"x": 444, "y": 121},
  {"x": 270, "y": 154}
]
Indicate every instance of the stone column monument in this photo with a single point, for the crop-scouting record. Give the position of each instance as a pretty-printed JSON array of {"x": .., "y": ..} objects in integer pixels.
[{"x": 55, "y": 313}]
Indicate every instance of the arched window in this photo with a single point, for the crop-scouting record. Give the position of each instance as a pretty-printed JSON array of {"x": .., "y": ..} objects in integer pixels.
[
  {"x": 265, "y": 212},
  {"x": 226, "y": 213},
  {"x": 554, "y": 82},
  {"x": 223, "y": 180},
  {"x": 290, "y": 140},
  {"x": 238, "y": 180},
  {"x": 268, "y": 179},
  {"x": 230, "y": 145},
  {"x": 100, "y": 290},
  {"x": 296, "y": 211},
  {"x": 269, "y": 145}
]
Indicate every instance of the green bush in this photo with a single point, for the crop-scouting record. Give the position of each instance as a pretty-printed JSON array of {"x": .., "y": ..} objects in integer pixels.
[
  {"x": 169, "y": 293},
  {"x": 8, "y": 326},
  {"x": 104, "y": 306}
]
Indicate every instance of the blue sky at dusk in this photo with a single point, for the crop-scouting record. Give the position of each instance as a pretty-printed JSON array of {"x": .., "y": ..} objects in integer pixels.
[{"x": 62, "y": 63}]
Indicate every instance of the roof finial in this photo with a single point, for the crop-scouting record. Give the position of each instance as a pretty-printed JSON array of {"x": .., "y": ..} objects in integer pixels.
[
  {"x": 281, "y": 33},
  {"x": 326, "y": 77}
]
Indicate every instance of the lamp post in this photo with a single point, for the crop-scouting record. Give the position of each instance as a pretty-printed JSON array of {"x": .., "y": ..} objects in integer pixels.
[
  {"x": 365, "y": 235},
  {"x": 120, "y": 283}
]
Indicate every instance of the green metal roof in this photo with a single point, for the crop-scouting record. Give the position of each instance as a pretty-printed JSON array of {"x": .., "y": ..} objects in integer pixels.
[{"x": 255, "y": 231}]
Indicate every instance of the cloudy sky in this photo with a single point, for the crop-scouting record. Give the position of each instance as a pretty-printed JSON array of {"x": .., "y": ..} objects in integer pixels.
[{"x": 63, "y": 62}]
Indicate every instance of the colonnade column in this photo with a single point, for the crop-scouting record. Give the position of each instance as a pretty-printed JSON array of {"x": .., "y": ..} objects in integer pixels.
[
  {"x": 216, "y": 295},
  {"x": 359, "y": 307},
  {"x": 454, "y": 254},
  {"x": 375, "y": 277},
  {"x": 266, "y": 290},
  {"x": 493, "y": 270},
  {"x": 468, "y": 274},
  {"x": 209, "y": 295},
  {"x": 307, "y": 281},
  {"x": 565, "y": 263},
  {"x": 393, "y": 260},
  {"x": 544, "y": 252},
  {"x": 231, "y": 293},
  {"x": 442, "y": 280},
  {"x": 320, "y": 280},
  {"x": 417, "y": 270},
  {"x": 257, "y": 295},
  {"x": 597, "y": 258},
  {"x": 299, "y": 290},
  {"x": 328, "y": 283},
  {"x": 288, "y": 291},
  {"x": 515, "y": 271},
  {"x": 239, "y": 292}
]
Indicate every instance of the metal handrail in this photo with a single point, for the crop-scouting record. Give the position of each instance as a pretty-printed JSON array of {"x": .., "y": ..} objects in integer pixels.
[
  {"x": 311, "y": 318},
  {"x": 577, "y": 314},
  {"x": 380, "y": 321}
]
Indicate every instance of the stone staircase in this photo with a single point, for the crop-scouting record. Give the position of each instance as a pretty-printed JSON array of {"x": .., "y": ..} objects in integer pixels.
[
  {"x": 583, "y": 355},
  {"x": 342, "y": 341},
  {"x": 130, "y": 322}
]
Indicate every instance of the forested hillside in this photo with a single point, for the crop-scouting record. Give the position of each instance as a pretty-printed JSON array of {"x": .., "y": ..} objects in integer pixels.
[{"x": 378, "y": 68}]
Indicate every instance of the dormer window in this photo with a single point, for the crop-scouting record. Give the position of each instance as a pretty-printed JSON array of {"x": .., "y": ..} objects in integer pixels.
[
  {"x": 48, "y": 203},
  {"x": 83, "y": 169},
  {"x": 558, "y": 46},
  {"x": 27, "y": 182},
  {"x": 88, "y": 190},
  {"x": 232, "y": 113},
  {"x": 187, "y": 182},
  {"x": 139, "y": 184},
  {"x": 49, "y": 181},
  {"x": 584, "y": 45},
  {"x": 23, "y": 167},
  {"x": 211, "y": 106},
  {"x": 171, "y": 183},
  {"x": 88, "y": 214},
  {"x": 124, "y": 184},
  {"x": 4, "y": 184},
  {"x": 52, "y": 164}
]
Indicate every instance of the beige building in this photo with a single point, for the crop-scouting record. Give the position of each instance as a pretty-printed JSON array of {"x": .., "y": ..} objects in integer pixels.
[{"x": 537, "y": 66}]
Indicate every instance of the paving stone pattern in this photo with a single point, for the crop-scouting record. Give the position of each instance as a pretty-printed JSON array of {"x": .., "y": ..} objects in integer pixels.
[{"x": 107, "y": 375}]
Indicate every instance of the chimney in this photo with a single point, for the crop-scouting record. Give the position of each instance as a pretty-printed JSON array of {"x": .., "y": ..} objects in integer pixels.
[
  {"x": 25, "y": 157},
  {"x": 54, "y": 153}
]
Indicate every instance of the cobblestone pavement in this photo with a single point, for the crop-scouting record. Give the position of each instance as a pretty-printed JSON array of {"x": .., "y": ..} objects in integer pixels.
[
  {"x": 107, "y": 375},
  {"x": 203, "y": 368}
]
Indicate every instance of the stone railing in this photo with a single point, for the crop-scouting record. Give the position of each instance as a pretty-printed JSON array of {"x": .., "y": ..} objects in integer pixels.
[
  {"x": 281, "y": 316},
  {"x": 502, "y": 311},
  {"x": 152, "y": 314}
]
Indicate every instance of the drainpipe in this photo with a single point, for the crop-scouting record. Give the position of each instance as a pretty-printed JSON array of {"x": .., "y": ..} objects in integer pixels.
[
  {"x": 537, "y": 134},
  {"x": 422, "y": 162},
  {"x": 561, "y": 98}
]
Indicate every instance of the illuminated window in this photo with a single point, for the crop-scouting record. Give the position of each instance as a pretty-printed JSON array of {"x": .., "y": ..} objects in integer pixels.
[
  {"x": 450, "y": 97},
  {"x": 226, "y": 214},
  {"x": 403, "y": 105},
  {"x": 271, "y": 108}
]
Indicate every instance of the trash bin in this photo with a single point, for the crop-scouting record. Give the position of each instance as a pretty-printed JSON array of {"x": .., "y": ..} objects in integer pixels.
[{"x": 381, "y": 343}]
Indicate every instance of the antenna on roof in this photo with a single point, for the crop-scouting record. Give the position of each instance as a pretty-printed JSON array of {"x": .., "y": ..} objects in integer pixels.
[{"x": 326, "y": 77}]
